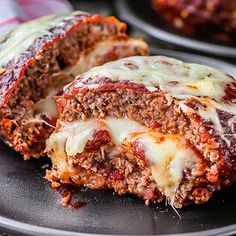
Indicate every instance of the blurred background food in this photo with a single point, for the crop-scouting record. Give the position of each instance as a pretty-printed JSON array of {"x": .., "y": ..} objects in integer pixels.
[
  {"x": 206, "y": 18},
  {"x": 197, "y": 26}
]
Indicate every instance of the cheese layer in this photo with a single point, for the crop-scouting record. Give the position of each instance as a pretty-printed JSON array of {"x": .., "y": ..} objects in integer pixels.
[
  {"x": 168, "y": 155},
  {"x": 171, "y": 75}
]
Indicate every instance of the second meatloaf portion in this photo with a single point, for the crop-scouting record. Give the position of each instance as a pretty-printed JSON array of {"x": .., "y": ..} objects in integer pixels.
[
  {"x": 212, "y": 19},
  {"x": 152, "y": 126},
  {"x": 39, "y": 57}
]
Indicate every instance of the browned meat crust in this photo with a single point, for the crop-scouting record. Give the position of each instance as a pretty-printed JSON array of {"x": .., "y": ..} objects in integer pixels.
[
  {"x": 204, "y": 17},
  {"x": 33, "y": 76}
]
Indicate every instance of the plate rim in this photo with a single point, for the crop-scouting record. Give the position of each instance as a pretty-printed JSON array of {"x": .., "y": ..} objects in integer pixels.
[
  {"x": 28, "y": 229},
  {"x": 125, "y": 13},
  {"x": 14, "y": 226}
]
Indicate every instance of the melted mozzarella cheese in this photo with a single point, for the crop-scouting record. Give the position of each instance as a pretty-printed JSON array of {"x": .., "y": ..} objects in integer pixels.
[
  {"x": 47, "y": 106},
  {"x": 70, "y": 140},
  {"x": 21, "y": 38},
  {"x": 120, "y": 129},
  {"x": 190, "y": 79},
  {"x": 168, "y": 155},
  {"x": 73, "y": 137}
]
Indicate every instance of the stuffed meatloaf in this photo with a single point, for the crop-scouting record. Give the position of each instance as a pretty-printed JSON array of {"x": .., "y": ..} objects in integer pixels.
[
  {"x": 38, "y": 58},
  {"x": 152, "y": 126}
]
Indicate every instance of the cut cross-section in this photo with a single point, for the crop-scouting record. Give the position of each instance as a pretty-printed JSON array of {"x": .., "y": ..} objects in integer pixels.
[{"x": 152, "y": 126}]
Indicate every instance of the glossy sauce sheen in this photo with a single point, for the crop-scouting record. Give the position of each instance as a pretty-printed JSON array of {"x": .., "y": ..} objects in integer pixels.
[{"x": 21, "y": 38}]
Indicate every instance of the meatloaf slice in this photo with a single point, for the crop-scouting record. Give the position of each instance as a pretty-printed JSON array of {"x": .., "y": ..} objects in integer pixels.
[
  {"x": 39, "y": 57},
  {"x": 153, "y": 126}
]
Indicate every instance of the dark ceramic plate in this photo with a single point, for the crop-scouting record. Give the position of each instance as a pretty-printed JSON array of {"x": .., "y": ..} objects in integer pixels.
[
  {"x": 28, "y": 206},
  {"x": 140, "y": 14}
]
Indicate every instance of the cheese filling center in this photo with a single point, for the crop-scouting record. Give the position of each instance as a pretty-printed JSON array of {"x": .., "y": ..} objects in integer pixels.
[{"x": 168, "y": 155}]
